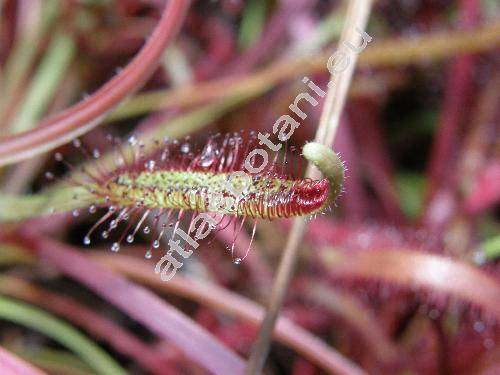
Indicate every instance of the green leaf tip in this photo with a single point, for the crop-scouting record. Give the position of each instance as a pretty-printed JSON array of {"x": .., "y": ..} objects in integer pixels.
[{"x": 329, "y": 163}]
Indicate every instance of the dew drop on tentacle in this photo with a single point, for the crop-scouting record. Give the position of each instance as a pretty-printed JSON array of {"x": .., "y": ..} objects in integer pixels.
[
  {"x": 185, "y": 148},
  {"x": 148, "y": 254},
  {"x": 150, "y": 165},
  {"x": 132, "y": 140},
  {"x": 142, "y": 154},
  {"x": 164, "y": 156},
  {"x": 209, "y": 154},
  {"x": 115, "y": 247},
  {"x": 479, "y": 326},
  {"x": 86, "y": 240}
]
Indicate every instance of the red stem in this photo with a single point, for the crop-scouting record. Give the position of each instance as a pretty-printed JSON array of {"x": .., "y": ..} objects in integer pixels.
[
  {"x": 353, "y": 200},
  {"x": 87, "y": 114},
  {"x": 486, "y": 192},
  {"x": 139, "y": 304},
  {"x": 370, "y": 137},
  {"x": 218, "y": 298},
  {"x": 102, "y": 328},
  {"x": 442, "y": 164}
]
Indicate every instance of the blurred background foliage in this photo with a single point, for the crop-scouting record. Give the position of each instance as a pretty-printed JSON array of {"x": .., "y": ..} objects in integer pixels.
[{"x": 402, "y": 276}]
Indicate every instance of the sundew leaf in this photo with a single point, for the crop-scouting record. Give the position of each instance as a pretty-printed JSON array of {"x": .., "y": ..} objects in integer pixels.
[
  {"x": 411, "y": 268},
  {"x": 59, "y": 197},
  {"x": 32, "y": 317}
]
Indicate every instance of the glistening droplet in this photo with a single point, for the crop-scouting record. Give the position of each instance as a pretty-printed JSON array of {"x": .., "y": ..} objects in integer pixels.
[
  {"x": 208, "y": 155},
  {"x": 150, "y": 165},
  {"x": 132, "y": 140}
]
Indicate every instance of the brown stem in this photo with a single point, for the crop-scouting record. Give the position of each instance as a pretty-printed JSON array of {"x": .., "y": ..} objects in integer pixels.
[{"x": 357, "y": 15}]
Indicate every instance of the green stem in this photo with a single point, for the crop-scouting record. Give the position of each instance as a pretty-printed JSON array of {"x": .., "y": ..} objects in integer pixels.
[
  {"x": 45, "y": 82},
  {"x": 32, "y": 317},
  {"x": 491, "y": 248},
  {"x": 53, "y": 361},
  {"x": 60, "y": 199},
  {"x": 254, "y": 17},
  {"x": 25, "y": 51}
]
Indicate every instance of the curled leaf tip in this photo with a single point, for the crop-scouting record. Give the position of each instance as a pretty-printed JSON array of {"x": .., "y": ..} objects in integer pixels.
[{"x": 329, "y": 163}]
